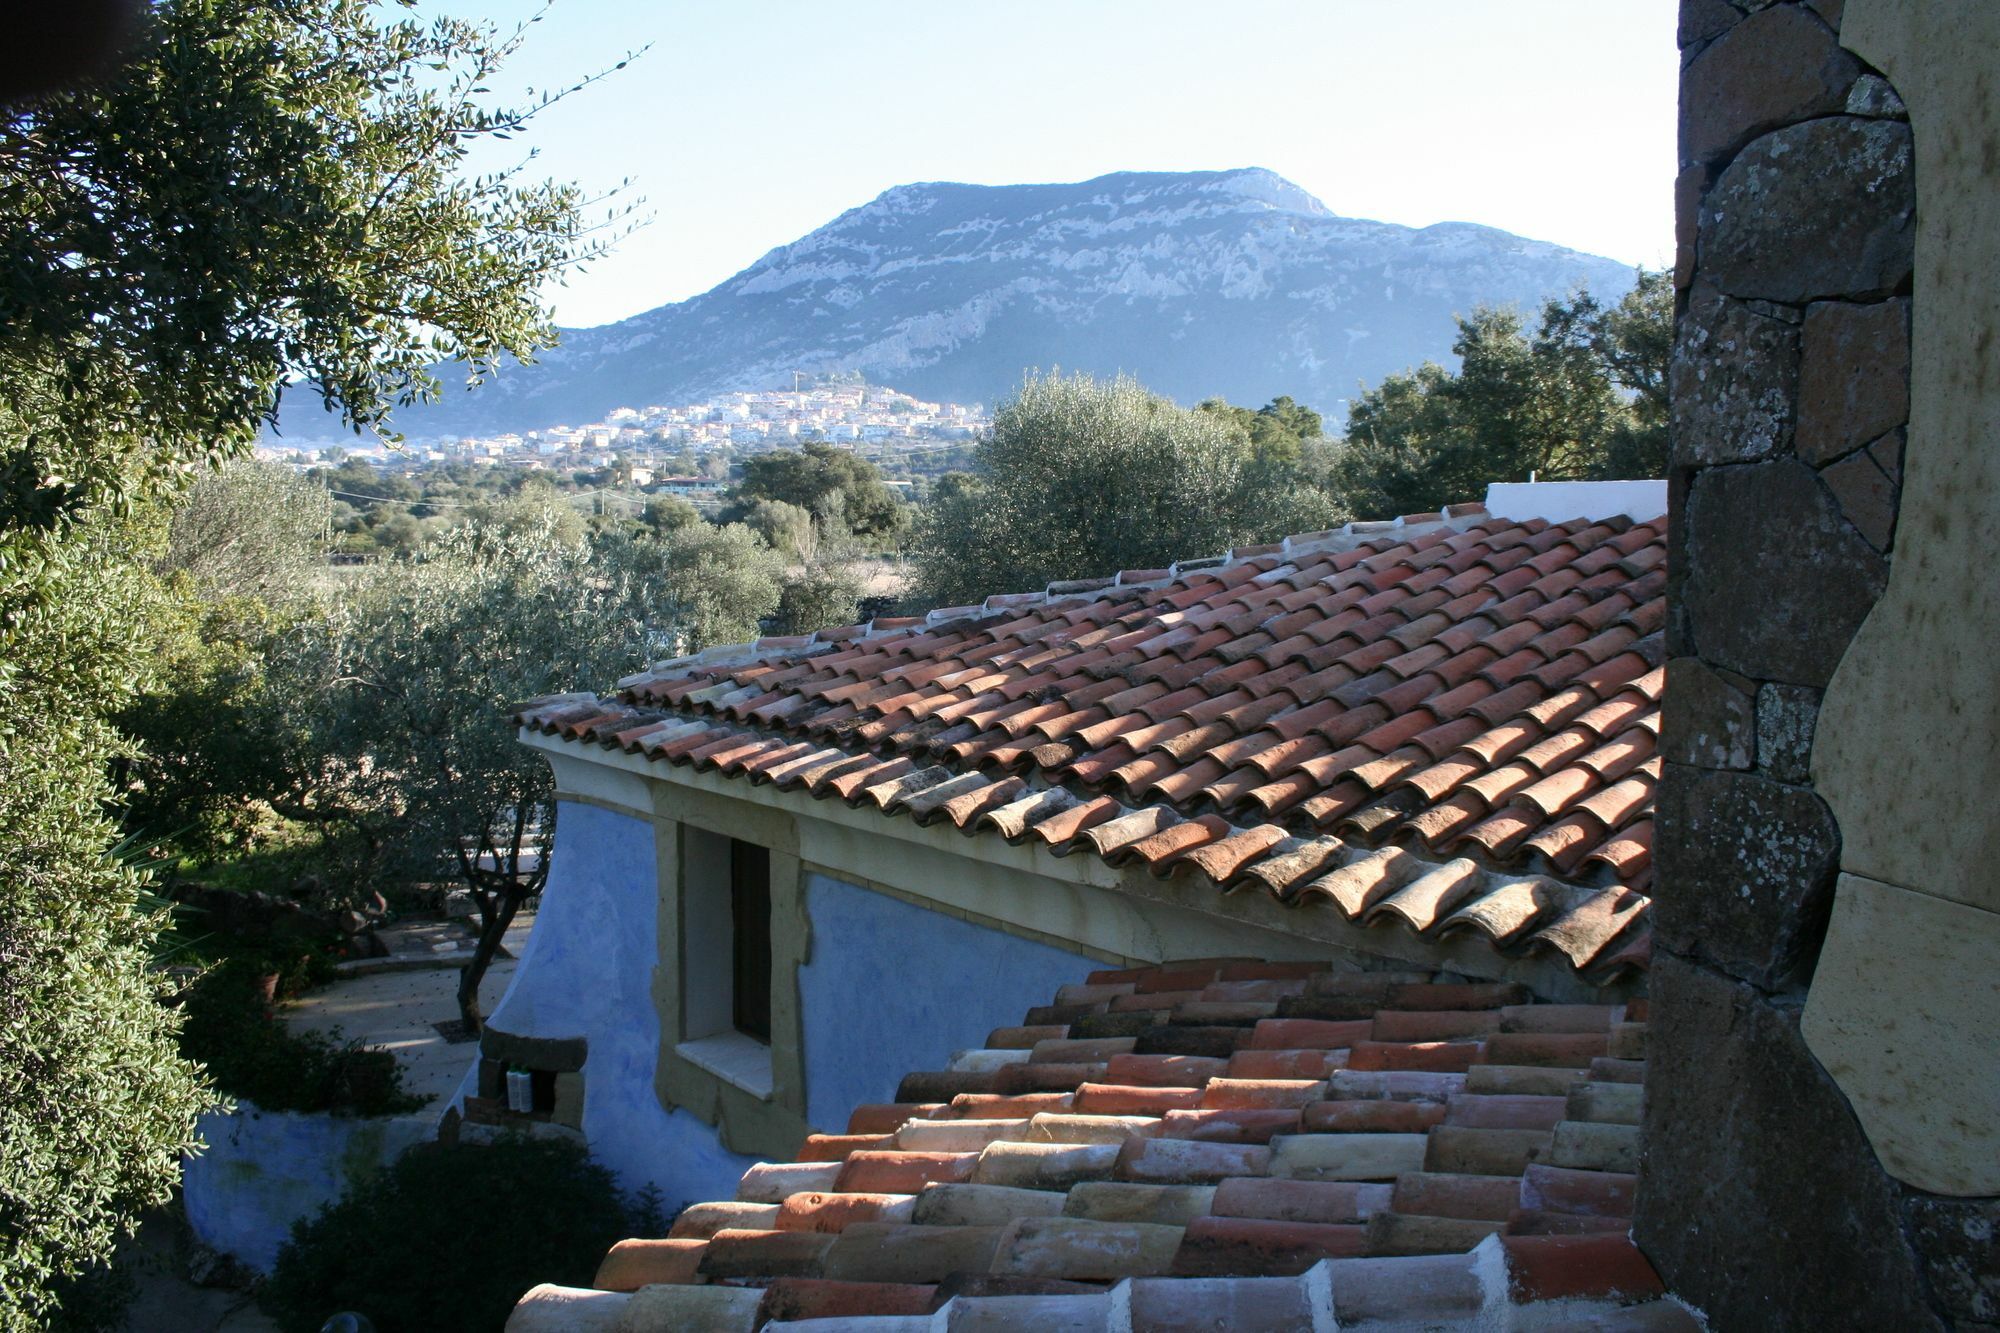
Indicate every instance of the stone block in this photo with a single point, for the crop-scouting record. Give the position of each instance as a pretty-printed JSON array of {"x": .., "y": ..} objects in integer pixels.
[
  {"x": 1689, "y": 186},
  {"x": 1761, "y": 1204},
  {"x": 1866, "y": 496},
  {"x": 1709, "y": 719},
  {"x": 563, "y": 1055},
  {"x": 1734, "y": 381},
  {"x": 1817, "y": 211},
  {"x": 1872, "y": 95},
  {"x": 1776, "y": 67},
  {"x": 568, "y": 1108},
  {"x": 1778, "y": 580},
  {"x": 1959, "y": 1243},
  {"x": 1786, "y": 715},
  {"x": 1854, "y": 376},
  {"x": 1705, "y": 20},
  {"x": 1888, "y": 454},
  {"x": 1747, "y": 880}
]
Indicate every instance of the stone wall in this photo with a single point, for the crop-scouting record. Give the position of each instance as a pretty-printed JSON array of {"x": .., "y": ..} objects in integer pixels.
[{"x": 1763, "y": 1199}]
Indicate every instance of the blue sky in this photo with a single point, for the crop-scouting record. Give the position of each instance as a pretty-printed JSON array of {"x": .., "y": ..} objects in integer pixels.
[{"x": 750, "y": 122}]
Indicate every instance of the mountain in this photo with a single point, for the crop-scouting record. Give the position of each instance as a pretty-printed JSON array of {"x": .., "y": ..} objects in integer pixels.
[{"x": 1236, "y": 283}]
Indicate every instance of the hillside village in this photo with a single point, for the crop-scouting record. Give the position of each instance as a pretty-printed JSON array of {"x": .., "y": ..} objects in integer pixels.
[{"x": 845, "y": 413}]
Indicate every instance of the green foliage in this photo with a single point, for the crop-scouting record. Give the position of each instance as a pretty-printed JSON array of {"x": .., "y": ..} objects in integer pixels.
[
  {"x": 261, "y": 195},
  {"x": 786, "y": 528},
  {"x": 1583, "y": 396},
  {"x": 243, "y": 555},
  {"x": 710, "y": 584},
  {"x": 1083, "y": 477},
  {"x": 339, "y": 242},
  {"x": 248, "y": 1053},
  {"x": 826, "y": 482},
  {"x": 1279, "y": 432},
  {"x": 251, "y": 530},
  {"x": 449, "y": 1238},
  {"x": 668, "y": 513},
  {"x": 206, "y": 751},
  {"x": 95, "y": 1300},
  {"x": 403, "y": 688},
  {"x": 95, "y": 1106}
]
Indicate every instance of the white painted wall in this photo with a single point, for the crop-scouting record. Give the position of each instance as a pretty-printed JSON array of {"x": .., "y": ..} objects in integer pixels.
[{"x": 1561, "y": 501}]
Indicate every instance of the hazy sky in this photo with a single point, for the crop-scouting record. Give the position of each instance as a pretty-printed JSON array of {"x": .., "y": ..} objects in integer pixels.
[{"x": 751, "y": 122}]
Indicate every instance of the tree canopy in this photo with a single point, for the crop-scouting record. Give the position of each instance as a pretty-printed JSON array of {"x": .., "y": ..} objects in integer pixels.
[
  {"x": 1581, "y": 396},
  {"x": 1083, "y": 477},
  {"x": 827, "y": 482},
  {"x": 261, "y": 196},
  {"x": 406, "y": 685},
  {"x": 1280, "y": 431}
]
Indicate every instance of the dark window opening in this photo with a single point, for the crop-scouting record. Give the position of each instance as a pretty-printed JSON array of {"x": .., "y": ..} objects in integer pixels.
[{"x": 750, "y": 921}]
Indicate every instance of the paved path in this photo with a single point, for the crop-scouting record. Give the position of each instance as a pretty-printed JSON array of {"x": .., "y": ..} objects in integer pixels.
[{"x": 396, "y": 1010}]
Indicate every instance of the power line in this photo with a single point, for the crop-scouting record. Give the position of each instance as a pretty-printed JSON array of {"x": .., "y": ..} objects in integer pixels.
[{"x": 477, "y": 504}]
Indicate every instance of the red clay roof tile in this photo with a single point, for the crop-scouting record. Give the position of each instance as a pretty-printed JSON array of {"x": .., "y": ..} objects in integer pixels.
[{"x": 1389, "y": 641}]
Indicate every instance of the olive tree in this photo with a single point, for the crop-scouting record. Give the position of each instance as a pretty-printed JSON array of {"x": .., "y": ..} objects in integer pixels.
[
  {"x": 262, "y": 195},
  {"x": 252, "y": 529},
  {"x": 406, "y": 685},
  {"x": 1083, "y": 477}
]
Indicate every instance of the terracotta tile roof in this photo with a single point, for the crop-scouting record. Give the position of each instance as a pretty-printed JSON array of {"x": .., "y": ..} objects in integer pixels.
[
  {"x": 1447, "y": 724},
  {"x": 1236, "y": 1142}
]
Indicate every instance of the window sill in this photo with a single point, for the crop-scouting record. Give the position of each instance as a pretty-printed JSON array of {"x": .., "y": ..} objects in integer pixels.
[{"x": 740, "y": 1060}]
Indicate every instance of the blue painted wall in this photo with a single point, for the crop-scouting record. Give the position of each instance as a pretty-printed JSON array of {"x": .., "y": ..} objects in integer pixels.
[
  {"x": 891, "y": 988},
  {"x": 264, "y": 1170},
  {"x": 588, "y": 971}
]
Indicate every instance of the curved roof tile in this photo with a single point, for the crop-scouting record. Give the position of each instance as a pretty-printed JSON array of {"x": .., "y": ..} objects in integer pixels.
[{"x": 1477, "y": 689}]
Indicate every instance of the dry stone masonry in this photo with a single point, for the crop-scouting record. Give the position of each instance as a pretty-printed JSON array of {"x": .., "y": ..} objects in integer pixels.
[{"x": 1761, "y": 1199}]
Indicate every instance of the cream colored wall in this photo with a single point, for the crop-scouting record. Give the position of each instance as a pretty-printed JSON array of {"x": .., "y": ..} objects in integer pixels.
[{"x": 1904, "y": 1009}]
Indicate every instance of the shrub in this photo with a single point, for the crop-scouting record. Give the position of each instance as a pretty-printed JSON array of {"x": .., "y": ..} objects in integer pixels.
[
  {"x": 248, "y": 1053},
  {"x": 450, "y": 1237}
]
